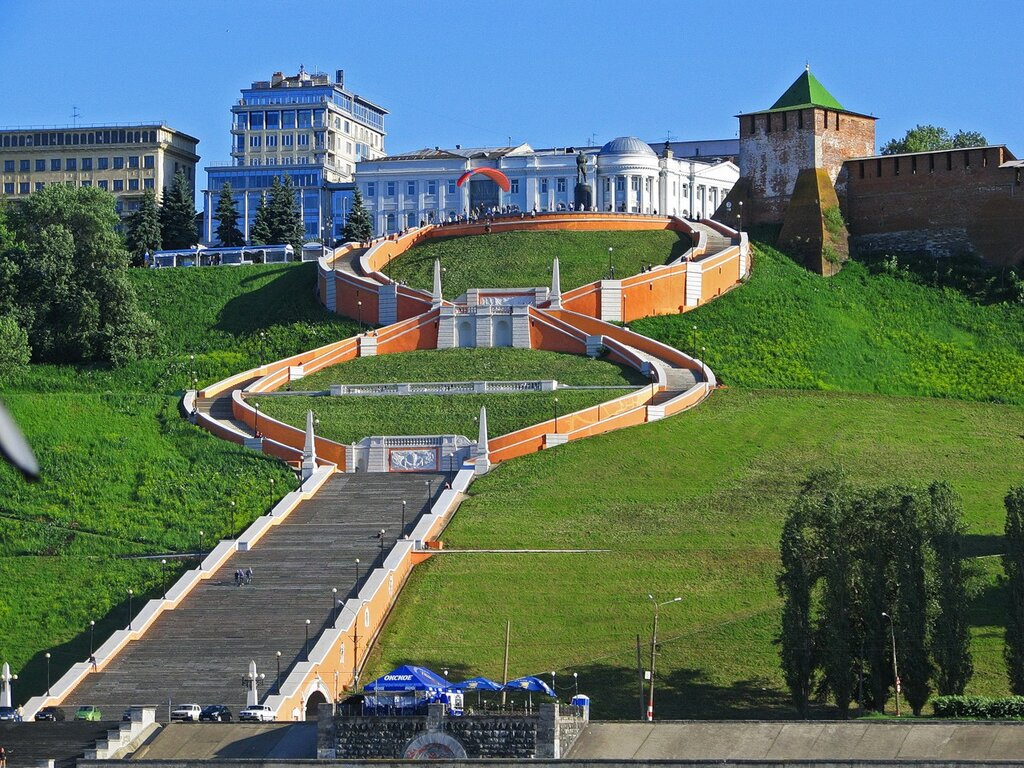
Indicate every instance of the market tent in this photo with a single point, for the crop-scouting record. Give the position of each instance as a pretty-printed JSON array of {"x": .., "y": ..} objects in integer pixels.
[
  {"x": 407, "y": 678},
  {"x": 530, "y": 684},
  {"x": 477, "y": 684}
]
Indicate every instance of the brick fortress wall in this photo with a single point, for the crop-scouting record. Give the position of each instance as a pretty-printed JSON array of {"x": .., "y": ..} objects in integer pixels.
[{"x": 939, "y": 203}]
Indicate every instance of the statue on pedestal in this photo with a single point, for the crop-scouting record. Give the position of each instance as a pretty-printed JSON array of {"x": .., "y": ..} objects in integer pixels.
[{"x": 583, "y": 196}]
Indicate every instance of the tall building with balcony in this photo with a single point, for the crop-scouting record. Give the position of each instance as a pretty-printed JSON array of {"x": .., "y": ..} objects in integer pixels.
[
  {"x": 306, "y": 127},
  {"x": 124, "y": 160}
]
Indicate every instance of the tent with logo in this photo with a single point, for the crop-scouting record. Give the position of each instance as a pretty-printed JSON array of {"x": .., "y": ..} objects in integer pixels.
[
  {"x": 405, "y": 690},
  {"x": 407, "y": 678}
]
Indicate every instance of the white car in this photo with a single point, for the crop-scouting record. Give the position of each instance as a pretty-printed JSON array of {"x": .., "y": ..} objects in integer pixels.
[
  {"x": 256, "y": 713},
  {"x": 188, "y": 713}
]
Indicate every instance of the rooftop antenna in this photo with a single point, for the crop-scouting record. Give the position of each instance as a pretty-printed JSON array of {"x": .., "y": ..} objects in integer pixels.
[
  {"x": 75, "y": 114},
  {"x": 590, "y": 141},
  {"x": 668, "y": 137}
]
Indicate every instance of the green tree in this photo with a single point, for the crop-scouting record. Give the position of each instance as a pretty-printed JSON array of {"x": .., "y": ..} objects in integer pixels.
[
  {"x": 14, "y": 348},
  {"x": 143, "y": 229},
  {"x": 358, "y": 227},
  {"x": 178, "y": 214},
  {"x": 66, "y": 271},
  {"x": 949, "y": 626},
  {"x": 1013, "y": 564},
  {"x": 261, "y": 234},
  {"x": 926, "y": 138},
  {"x": 228, "y": 233},
  {"x": 283, "y": 215},
  {"x": 910, "y": 613}
]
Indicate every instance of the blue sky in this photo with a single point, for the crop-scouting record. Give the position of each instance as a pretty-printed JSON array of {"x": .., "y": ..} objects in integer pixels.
[{"x": 550, "y": 73}]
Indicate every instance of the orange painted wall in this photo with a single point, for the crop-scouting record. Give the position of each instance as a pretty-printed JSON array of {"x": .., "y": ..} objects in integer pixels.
[
  {"x": 719, "y": 275},
  {"x": 348, "y": 295},
  {"x": 417, "y": 333},
  {"x": 288, "y": 435},
  {"x": 545, "y": 335},
  {"x": 659, "y": 292}
]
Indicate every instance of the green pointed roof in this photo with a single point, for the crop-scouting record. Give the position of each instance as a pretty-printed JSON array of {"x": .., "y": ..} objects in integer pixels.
[{"x": 806, "y": 91}]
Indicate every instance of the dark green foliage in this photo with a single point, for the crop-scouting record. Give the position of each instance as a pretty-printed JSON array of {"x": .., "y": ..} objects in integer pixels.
[
  {"x": 980, "y": 707},
  {"x": 925, "y": 138},
  {"x": 142, "y": 234},
  {"x": 14, "y": 349},
  {"x": 178, "y": 214},
  {"x": 949, "y": 624},
  {"x": 358, "y": 227},
  {"x": 1013, "y": 564},
  {"x": 66, "y": 279},
  {"x": 261, "y": 233},
  {"x": 284, "y": 219},
  {"x": 967, "y": 273},
  {"x": 228, "y": 233}
]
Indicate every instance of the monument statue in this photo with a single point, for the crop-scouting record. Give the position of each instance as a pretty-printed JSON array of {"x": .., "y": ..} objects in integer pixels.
[{"x": 581, "y": 168}]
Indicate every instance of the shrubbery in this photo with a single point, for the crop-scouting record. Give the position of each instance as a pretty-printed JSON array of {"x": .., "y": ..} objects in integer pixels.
[{"x": 1003, "y": 708}]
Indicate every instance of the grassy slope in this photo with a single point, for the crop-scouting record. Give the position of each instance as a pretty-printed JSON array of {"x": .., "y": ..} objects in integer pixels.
[
  {"x": 123, "y": 473},
  {"x": 523, "y": 259},
  {"x": 718, "y": 485}
]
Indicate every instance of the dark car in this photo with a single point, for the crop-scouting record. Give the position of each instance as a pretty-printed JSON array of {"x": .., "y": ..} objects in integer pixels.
[
  {"x": 9, "y": 713},
  {"x": 52, "y": 714},
  {"x": 215, "y": 713}
]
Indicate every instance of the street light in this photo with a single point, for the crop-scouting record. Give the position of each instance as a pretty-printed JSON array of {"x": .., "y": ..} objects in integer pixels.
[
  {"x": 278, "y": 672},
  {"x": 131, "y": 592},
  {"x": 429, "y": 484},
  {"x": 381, "y": 537},
  {"x": 553, "y": 680},
  {"x": 703, "y": 365},
  {"x": 403, "y": 517},
  {"x": 555, "y": 406},
  {"x": 271, "y": 493},
  {"x": 693, "y": 342},
  {"x": 357, "y": 576},
  {"x": 576, "y": 682},
  {"x": 201, "y": 548},
  {"x": 92, "y": 639},
  {"x": 334, "y": 606},
  {"x": 654, "y": 646},
  {"x": 307, "y": 639},
  {"x": 231, "y": 511},
  {"x": 611, "y": 269},
  {"x": 47, "y": 673},
  {"x": 256, "y": 420},
  {"x": 895, "y": 669},
  {"x": 163, "y": 574},
  {"x": 740, "y": 216},
  {"x": 359, "y": 304}
]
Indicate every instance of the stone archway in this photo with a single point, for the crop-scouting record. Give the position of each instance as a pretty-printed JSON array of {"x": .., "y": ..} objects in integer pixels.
[
  {"x": 467, "y": 334},
  {"x": 435, "y": 745},
  {"x": 502, "y": 333},
  {"x": 313, "y": 704}
]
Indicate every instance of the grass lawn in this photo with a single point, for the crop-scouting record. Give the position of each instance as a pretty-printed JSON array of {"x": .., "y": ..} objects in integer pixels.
[
  {"x": 698, "y": 516},
  {"x": 523, "y": 259},
  {"x": 123, "y": 473}
]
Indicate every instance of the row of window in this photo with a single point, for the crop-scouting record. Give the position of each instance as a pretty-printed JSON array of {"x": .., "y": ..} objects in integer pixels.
[
  {"x": 116, "y": 185},
  {"x": 273, "y": 120},
  {"x": 59, "y": 138},
  {"x": 300, "y": 160},
  {"x": 77, "y": 163},
  {"x": 287, "y": 140}
]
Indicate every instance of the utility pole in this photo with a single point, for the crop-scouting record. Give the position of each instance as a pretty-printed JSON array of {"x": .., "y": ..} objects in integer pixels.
[
  {"x": 895, "y": 670},
  {"x": 504, "y": 673},
  {"x": 640, "y": 675},
  {"x": 654, "y": 646}
]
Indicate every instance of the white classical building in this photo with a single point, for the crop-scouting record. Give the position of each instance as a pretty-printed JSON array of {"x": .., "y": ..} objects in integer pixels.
[{"x": 626, "y": 174}]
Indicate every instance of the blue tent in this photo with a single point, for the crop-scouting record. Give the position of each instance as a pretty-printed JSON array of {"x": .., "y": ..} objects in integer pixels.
[
  {"x": 407, "y": 678},
  {"x": 530, "y": 684},
  {"x": 477, "y": 684}
]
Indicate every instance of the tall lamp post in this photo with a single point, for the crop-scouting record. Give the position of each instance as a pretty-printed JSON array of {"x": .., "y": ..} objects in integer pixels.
[
  {"x": 555, "y": 406},
  {"x": 47, "y": 673},
  {"x": 307, "y": 640},
  {"x": 131, "y": 592},
  {"x": 654, "y": 647},
  {"x": 334, "y": 607},
  {"x": 693, "y": 342},
  {"x": 256, "y": 420},
  {"x": 202, "y": 541},
  {"x": 231, "y": 511},
  {"x": 381, "y": 537},
  {"x": 430, "y": 489},
  {"x": 739, "y": 216},
  {"x": 611, "y": 269},
  {"x": 279, "y": 673},
  {"x": 403, "y": 517},
  {"x": 359, "y": 304},
  {"x": 163, "y": 574},
  {"x": 895, "y": 669},
  {"x": 92, "y": 639},
  {"x": 271, "y": 493},
  {"x": 357, "y": 577}
]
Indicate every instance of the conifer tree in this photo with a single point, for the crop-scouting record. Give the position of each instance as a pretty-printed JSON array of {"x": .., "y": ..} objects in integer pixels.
[
  {"x": 261, "y": 234},
  {"x": 178, "y": 214},
  {"x": 284, "y": 217},
  {"x": 1013, "y": 564},
  {"x": 228, "y": 233},
  {"x": 358, "y": 227},
  {"x": 143, "y": 234}
]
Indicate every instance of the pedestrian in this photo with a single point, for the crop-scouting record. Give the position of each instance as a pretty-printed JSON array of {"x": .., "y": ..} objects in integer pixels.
[
  {"x": 238, "y": 578},
  {"x": 248, "y": 576},
  {"x": 3, "y": 758}
]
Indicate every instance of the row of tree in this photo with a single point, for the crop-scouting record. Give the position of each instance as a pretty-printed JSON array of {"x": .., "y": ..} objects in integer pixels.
[
  {"x": 64, "y": 289},
  {"x": 169, "y": 224},
  {"x": 865, "y": 572}
]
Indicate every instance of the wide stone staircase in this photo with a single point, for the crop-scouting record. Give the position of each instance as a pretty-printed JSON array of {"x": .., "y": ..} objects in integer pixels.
[
  {"x": 30, "y": 744},
  {"x": 716, "y": 240},
  {"x": 199, "y": 652},
  {"x": 678, "y": 380}
]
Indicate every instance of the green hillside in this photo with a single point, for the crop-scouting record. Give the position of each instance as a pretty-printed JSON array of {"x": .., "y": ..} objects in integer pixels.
[
  {"x": 123, "y": 474},
  {"x": 523, "y": 259}
]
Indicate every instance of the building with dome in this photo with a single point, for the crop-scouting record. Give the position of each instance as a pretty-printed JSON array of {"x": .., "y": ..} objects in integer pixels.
[{"x": 626, "y": 174}]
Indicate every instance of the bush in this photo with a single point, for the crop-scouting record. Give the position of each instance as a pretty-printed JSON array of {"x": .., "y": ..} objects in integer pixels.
[{"x": 981, "y": 707}]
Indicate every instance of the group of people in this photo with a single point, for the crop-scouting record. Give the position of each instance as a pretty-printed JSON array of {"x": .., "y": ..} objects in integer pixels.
[{"x": 243, "y": 577}]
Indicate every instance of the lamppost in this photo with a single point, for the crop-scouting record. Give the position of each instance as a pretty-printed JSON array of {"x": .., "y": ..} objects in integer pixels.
[
  {"x": 163, "y": 574},
  {"x": 307, "y": 640},
  {"x": 703, "y": 365},
  {"x": 202, "y": 549},
  {"x": 263, "y": 346},
  {"x": 654, "y": 647},
  {"x": 357, "y": 576},
  {"x": 429, "y": 484},
  {"x": 576, "y": 682},
  {"x": 271, "y": 493},
  {"x": 359, "y": 305},
  {"x": 381, "y": 537},
  {"x": 611, "y": 268},
  {"x": 693, "y": 342},
  {"x": 131, "y": 592},
  {"x": 895, "y": 669},
  {"x": 278, "y": 673},
  {"x": 47, "y": 673},
  {"x": 555, "y": 406},
  {"x": 334, "y": 606},
  {"x": 231, "y": 511},
  {"x": 92, "y": 639},
  {"x": 739, "y": 216},
  {"x": 256, "y": 420},
  {"x": 553, "y": 680},
  {"x": 403, "y": 517}
]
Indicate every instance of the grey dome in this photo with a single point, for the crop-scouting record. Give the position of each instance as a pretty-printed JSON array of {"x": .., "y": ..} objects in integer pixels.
[{"x": 627, "y": 145}]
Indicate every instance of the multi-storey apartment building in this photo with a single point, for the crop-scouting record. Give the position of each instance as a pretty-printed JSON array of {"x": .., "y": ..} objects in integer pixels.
[
  {"x": 305, "y": 127},
  {"x": 124, "y": 160}
]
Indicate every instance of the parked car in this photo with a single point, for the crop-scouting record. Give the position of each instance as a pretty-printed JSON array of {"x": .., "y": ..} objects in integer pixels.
[
  {"x": 216, "y": 713},
  {"x": 256, "y": 713},
  {"x": 126, "y": 716},
  {"x": 9, "y": 713},
  {"x": 188, "y": 713},
  {"x": 53, "y": 714},
  {"x": 88, "y": 712}
]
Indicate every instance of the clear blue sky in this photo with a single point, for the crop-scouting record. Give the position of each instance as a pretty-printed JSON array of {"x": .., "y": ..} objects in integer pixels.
[{"x": 550, "y": 73}]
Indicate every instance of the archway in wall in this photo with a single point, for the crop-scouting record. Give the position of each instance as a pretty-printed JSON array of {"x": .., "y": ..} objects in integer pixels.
[
  {"x": 313, "y": 704},
  {"x": 502, "y": 333},
  {"x": 467, "y": 338}
]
